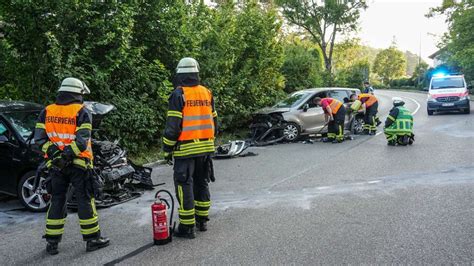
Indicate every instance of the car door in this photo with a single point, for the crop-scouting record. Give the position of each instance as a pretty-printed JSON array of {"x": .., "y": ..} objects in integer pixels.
[
  {"x": 8, "y": 161},
  {"x": 312, "y": 119}
]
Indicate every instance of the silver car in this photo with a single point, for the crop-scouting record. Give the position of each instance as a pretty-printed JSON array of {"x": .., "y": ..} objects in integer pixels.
[{"x": 305, "y": 118}]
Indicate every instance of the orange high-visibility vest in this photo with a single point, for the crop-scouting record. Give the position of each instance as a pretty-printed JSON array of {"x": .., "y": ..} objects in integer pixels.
[
  {"x": 198, "y": 122},
  {"x": 369, "y": 99},
  {"x": 335, "y": 105},
  {"x": 60, "y": 124}
]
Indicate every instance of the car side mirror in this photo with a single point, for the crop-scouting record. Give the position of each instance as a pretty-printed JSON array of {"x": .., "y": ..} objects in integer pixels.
[
  {"x": 346, "y": 100},
  {"x": 305, "y": 107},
  {"x": 469, "y": 87},
  {"x": 3, "y": 139}
]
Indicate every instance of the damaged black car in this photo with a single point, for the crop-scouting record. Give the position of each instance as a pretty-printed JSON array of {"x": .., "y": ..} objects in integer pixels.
[{"x": 24, "y": 175}]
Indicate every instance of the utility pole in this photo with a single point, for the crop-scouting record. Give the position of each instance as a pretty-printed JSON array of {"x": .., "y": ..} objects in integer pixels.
[{"x": 419, "y": 63}]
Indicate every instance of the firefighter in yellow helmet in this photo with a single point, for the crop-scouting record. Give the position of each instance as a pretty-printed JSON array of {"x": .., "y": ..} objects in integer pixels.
[
  {"x": 189, "y": 137},
  {"x": 63, "y": 132}
]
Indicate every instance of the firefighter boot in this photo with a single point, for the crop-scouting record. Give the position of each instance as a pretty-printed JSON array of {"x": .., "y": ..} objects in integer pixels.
[
  {"x": 185, "y": 231},
  {"x": 392, "y": 143},
  {"x": 201, "y": 224},
  {"x": 95, "y": 244},
  {"x": 52, "y": 248}
]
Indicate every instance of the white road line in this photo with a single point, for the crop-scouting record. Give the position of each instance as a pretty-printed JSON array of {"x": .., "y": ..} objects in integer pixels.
[
  {"x": 418, "y": 106},
  {"x": 374, "y": 182}
]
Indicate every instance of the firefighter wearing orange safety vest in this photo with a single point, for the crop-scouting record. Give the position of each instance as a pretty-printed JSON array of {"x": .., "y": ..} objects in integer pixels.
[
  {"x": 370, "y": 102},
  {"x": 335, "y": 114},
  {"x": 63, "y": 132},
  {"x": 189, "y": 137}
]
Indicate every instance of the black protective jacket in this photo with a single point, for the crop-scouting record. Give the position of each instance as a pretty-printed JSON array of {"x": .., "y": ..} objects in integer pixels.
[{"x": 392, "y": 116}]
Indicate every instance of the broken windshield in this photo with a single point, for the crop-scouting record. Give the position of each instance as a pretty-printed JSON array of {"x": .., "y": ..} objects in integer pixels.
[{"x": 292, "y": 101}]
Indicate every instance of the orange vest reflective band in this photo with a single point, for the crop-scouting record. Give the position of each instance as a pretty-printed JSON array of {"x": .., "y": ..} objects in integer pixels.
[
  {"x": 369, "y": 99},
  {"x": 60, "y": 124},
  {"x": 198, "y": 122},
  {"x": 335, "y": 106}
]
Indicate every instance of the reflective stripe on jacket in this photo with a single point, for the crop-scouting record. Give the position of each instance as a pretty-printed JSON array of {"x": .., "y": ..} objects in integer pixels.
[
  {"x": 198, "y": 122},
  {"x": 60, "y": 126},
  {"x": 368, "y": 99},
  {"x": 403, "y": 123}
]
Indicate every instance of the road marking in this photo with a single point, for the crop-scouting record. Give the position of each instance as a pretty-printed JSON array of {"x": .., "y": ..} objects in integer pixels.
[
  {"x": 374, "y": 181},
  {"x": 416, "y": 102}
]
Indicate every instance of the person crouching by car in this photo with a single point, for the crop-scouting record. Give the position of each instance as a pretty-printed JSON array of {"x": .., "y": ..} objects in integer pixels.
[
  {"x": 370, "y": 105},
  {"x": 399, "y": 124},
  {"x": 335, "y": 113}
]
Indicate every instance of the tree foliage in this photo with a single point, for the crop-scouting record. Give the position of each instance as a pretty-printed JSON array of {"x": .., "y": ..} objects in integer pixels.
[
  {"x": 303, "y": 66},
  {"x": 324, "y": 20},
  {"x": 390, "y": 64},
  {"x": 127, "y": 51},
  {"x": 459, "y": 41}
]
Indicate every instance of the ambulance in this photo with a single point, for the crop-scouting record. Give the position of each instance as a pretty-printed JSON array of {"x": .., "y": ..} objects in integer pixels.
[{"x": 448, "y": 92}]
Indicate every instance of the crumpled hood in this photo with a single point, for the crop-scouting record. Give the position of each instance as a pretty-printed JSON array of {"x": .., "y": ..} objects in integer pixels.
[{"x": 270, "y": 110}]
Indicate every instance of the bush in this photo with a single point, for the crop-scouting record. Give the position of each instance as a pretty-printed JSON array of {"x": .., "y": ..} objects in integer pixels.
[{"x": 303, "y": 66}]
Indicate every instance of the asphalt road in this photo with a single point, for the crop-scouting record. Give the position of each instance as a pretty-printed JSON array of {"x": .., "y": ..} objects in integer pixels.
[{"x": 356, "y": 202}]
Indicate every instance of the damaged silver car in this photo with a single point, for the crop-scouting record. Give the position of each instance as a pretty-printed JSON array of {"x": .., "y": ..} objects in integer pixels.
[{"x": 298, "y": 116}]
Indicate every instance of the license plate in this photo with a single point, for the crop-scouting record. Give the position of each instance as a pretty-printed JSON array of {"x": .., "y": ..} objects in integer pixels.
[{"x": 448, "y": 104}]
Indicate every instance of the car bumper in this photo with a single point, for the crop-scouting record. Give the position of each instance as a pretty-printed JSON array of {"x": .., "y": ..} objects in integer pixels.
[{"x": 437, "y": 106}]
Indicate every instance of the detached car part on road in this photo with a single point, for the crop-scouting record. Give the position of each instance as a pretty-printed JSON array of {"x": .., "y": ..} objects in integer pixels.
[
  {"x": 118, "y": 178},
  {"x": 297, "y": 115}
]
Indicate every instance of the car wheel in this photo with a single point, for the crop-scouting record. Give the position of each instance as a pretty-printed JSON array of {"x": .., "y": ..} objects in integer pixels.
[
  {"x": 430, "y": 112},
  {"x": 35, "y": 201},
  {"x": 291, "y": 131},
  {"x": 357, "y": 126},
  {"x": 467, "y": 110}
]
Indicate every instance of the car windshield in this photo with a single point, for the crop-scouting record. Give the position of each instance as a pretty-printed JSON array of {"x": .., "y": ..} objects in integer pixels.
[
  {"x": 24, "y": 122},
  {"x": 292, "y": 100},
  {"x": 447, "y": 83}
]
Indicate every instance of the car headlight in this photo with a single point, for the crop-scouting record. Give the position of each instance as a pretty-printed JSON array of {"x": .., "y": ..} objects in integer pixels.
[
  {"x": 431, "y": 98},
  {"x": 465, "y": 97}
]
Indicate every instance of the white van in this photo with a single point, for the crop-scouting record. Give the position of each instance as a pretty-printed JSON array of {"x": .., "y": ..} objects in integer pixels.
[{"x": 448, "y": 93}]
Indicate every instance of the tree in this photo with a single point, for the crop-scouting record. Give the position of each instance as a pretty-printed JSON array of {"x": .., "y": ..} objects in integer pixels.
[
  {"x": 459, "y": 41},
  {"x": 390, "y": 64},
  {"x": 324, "y": 20},
  {"x": 419, "y": 73},
  {"x": 303, "y": 66},
  {"x": 351, "y": 63}
]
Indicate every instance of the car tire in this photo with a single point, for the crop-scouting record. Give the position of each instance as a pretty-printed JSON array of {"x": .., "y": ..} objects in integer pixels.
[
  {"x": 467, "y": 110},
  {"x": 292, "y": 131},
  {"x": 30, "y": 199},
  {"x": 357, "y": 126},
  {"x": 430, "y": 112}
]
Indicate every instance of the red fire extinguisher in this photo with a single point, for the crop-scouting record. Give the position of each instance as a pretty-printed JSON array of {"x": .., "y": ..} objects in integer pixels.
[{"x": 162, "y": 230}]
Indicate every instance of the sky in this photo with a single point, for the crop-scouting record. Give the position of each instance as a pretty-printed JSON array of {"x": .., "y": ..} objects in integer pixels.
[{"x": 404, "y": 19}]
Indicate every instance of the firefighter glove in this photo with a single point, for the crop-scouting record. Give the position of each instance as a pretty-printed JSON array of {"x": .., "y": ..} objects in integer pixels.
[
  {"x": 169, "y": 158},
  {"x": 59, "y": 162},
  {"x": 68, "y": 154},
  {"x": 53, "y": 151}
]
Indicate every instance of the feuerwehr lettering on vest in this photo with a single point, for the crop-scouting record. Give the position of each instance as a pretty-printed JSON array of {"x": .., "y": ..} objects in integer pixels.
[
  {"x": 193, "y": 103},
  {"x": 61, "y": 120}
]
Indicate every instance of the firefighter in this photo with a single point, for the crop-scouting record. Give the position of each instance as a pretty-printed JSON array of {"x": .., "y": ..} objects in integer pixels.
[
  {"x": 399, "y": 124},
  {"x": 63, "y": 133},
  {"x": 189, "y": 138},
  {"x": 335, "y": 114},
  {"x": 370, "y": 105}
]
